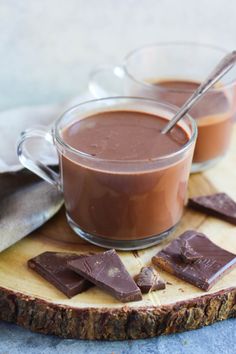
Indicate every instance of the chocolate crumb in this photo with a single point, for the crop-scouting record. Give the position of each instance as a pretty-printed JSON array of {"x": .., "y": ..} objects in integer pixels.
[{"x": 182, "y": 290}]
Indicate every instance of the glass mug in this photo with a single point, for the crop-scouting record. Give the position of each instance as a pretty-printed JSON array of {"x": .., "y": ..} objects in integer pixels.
[
  {"x": 170, "y": 72},
  {"x": 125, "y": 204}
]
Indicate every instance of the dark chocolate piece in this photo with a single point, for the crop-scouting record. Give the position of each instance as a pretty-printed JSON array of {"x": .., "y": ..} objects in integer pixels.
[
  {"x": 187, "y": 253},
  {"x": 149, "y": 280},
  {"x": 108, "y": 272},
  {"x": 52, "y": 266},
  {"x": 219, "y": 205},
  {"x": 205, "y": 271}
]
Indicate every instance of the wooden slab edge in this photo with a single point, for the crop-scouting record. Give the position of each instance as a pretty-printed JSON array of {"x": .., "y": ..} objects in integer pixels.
[{"x": 115, "y": 324}]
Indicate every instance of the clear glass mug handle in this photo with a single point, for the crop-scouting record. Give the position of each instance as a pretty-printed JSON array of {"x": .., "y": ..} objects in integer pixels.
[
  {"x": 106, "y": 81},
  {"x": 27, "y": 160}
]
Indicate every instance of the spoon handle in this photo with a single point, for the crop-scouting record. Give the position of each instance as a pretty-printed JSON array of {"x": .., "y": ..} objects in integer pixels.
[{"x": 220, "y": 70}]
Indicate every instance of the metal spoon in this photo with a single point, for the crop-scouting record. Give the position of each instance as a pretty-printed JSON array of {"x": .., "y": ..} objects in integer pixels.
[{"x": 220, "y": 70}]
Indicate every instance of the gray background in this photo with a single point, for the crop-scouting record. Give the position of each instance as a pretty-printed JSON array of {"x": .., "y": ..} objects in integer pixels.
[{"x": 47, "y": 49}]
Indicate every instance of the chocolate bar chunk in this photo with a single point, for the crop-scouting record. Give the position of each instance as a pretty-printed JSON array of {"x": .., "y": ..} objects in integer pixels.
[
  {"x": 149, "y": 280},
  {"x": 108, "y": 272},
  {"x": 219, "y": 205},
  {"x": 203, "y": 272},
  {"x": 52, "y": 266},
  {"x": 187, "y": 253}
]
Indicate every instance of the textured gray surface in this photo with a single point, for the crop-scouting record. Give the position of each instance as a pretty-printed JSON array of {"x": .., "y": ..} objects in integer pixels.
[
  {"x": 218, "y": 338},
  {"x": 47, "y": 49}
]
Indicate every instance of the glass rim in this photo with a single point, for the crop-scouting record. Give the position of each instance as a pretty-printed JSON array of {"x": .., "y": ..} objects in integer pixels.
[
  {"x": 169, "y": 44},
  {"x": 165, "y": 106}
]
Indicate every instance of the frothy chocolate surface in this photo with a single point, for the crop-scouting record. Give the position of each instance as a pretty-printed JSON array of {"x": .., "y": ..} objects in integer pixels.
[{"x": 124, "y": 135}]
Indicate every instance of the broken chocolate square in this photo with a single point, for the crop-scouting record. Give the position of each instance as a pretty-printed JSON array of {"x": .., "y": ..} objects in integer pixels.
[
  {"x": 108, "y": 272},
  {"x": 149, "y": 280},
  {"x": 212, "y": 263},
  {"x": 52, "y": 266},
  {"x": 219, "y": 205}
]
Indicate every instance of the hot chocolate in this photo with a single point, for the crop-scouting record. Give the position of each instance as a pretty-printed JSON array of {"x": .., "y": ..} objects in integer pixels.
[
  {"x": 114, "y": 187},
  {"x": 213, "y": 114}
]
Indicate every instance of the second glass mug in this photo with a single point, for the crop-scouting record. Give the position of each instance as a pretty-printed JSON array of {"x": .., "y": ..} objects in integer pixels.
[
  {"x": 157, "y": 71},
  {"x": 124, "y": 204}
]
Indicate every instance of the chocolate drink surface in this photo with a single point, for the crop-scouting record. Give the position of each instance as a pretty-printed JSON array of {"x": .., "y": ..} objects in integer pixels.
[
  {"x": 119, "y": 192},
  {"x": 213, "y": 114}
]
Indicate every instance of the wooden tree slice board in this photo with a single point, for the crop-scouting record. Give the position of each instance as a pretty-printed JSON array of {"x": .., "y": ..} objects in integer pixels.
[{"x": 30, "y": 301}]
